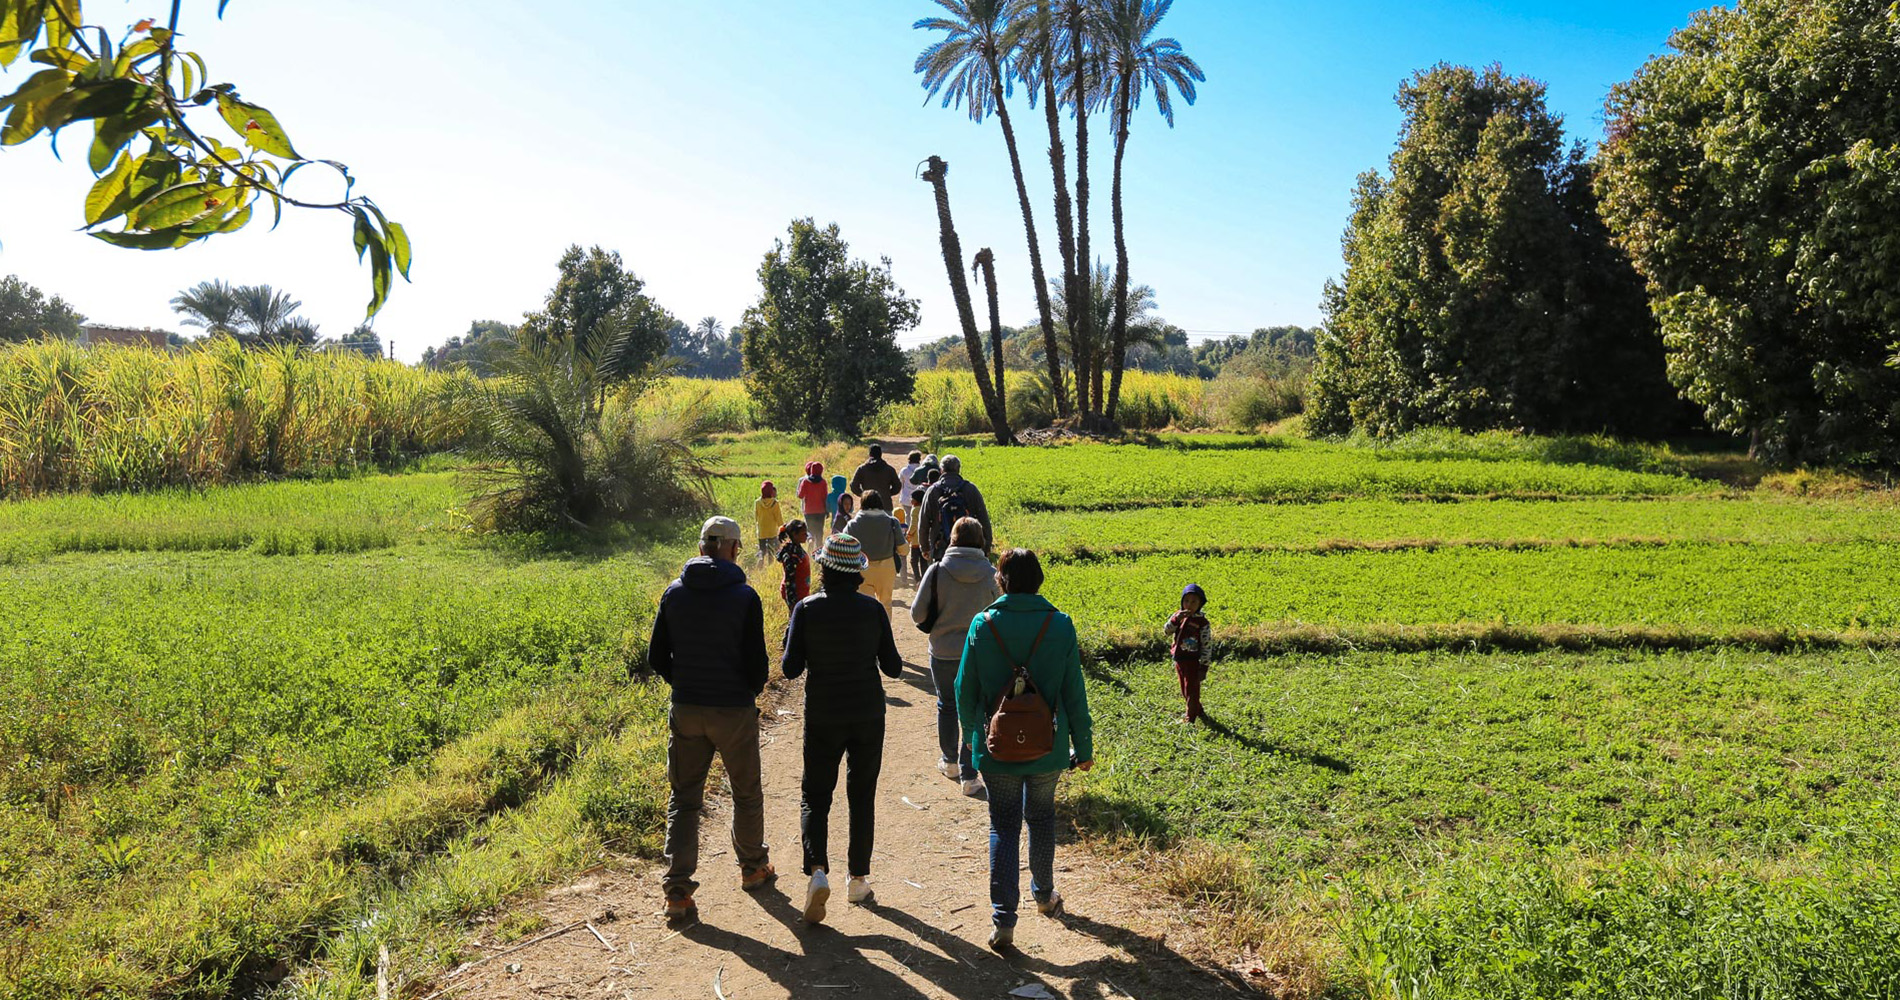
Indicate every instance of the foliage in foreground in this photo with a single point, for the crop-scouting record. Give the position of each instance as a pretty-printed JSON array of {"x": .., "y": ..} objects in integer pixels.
[
  {"x": 113, "y": 418},
  {"x": 1753, "y": 175}
]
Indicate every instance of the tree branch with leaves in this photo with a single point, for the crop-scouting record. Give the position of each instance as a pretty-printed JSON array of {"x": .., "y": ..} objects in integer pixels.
[{"x": 185, "y": 184}]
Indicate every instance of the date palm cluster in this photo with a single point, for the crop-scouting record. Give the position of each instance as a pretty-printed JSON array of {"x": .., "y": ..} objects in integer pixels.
[{"x": 1076, "y": 58}]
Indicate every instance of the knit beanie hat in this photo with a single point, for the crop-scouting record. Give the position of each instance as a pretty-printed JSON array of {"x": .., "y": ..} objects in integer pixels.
[{"x": 844, "y": 554}]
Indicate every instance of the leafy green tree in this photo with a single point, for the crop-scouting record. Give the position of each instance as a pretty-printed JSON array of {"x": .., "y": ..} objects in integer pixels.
[
  {"x": 480, "y": 348},
  {"x": 363, "y": 340},
  {"x": 597, "y": 306},
  {"x": 1753, "y": 176},
  {"x": 705, "y": 349},
  {"x": 972, "y": 66},
  {"x": 1480, "y": 288},
  {"x": 27, "y": 314},
  {"x": 820, "y": 345},
  {"x": 1138, "y": 64},
  {"x": 209, "y": 305},
  {"x": 166, "y": 178}
]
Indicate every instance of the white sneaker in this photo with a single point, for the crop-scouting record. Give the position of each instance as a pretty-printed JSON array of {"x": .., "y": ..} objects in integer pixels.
[
  {"x": 859, "y": 892},
  {"x": 815, "y": 898},
  {"x": 1051, "y": 908},
  {"x": 947, "y": 767},
  {"x": 1002, "y": 937},
  {"x": 973, "y": 787}
]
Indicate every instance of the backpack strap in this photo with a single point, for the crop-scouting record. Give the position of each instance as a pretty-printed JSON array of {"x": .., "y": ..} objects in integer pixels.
[{"x": 1020, "y": 669}]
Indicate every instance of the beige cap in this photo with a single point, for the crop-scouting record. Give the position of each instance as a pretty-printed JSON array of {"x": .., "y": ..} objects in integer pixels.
[{"x": 724, "y": 529}]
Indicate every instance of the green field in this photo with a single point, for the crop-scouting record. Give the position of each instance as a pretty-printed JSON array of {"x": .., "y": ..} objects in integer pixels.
[{"x": 303, "y": 720}]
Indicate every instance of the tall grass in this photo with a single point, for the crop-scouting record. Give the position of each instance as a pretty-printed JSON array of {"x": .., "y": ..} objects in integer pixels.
[
  {"x": 946, "y": 403},
  {"x": 117, "y": 418}
]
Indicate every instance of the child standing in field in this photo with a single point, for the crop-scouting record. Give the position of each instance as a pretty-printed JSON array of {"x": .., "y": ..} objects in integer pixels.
[
  {"x": 1192, "y": 637},
  {"x": 838, "y": 491},
  {"x": 771, "y": 520},
  {"x": 791, "y": 555},
  {"x": 811, "y": 494}
]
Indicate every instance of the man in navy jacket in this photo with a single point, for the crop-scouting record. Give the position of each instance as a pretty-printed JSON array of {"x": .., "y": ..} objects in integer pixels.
[{"x": 709, "y": 644}]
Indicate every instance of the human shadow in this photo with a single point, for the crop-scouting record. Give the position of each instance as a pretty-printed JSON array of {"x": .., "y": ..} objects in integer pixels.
[
  {"x": 1261, "y": 746},
  {"x": 829, "y": 958}
]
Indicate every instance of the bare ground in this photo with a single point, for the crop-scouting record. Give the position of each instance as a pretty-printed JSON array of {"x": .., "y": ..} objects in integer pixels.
[{"x": 924, "y": 937}]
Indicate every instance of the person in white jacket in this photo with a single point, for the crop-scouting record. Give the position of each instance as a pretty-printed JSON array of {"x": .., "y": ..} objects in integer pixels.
[{"x": 953, "y": 591}]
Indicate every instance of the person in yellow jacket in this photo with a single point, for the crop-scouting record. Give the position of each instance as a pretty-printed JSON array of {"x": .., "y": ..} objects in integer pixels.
[{"x": 771, "y": 518}]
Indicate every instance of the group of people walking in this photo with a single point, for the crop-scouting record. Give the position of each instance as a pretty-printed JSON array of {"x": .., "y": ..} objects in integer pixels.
[{"x": 1012, "y": 709}]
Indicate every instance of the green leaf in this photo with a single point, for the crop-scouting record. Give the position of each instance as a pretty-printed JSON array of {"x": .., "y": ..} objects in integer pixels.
[
  {"x": 182, "y": 205},
  {"x": 379, "y": 272},
  {"x": 108, "y": 189},
  {"x": 169, "y": 239},
  {"x": 364, "y": 233},
  {"x": 398, "y": 238},
  {"x": 258, "y": 127},
  {"x": 70, "y": 60},
  {"x": 111, "y": 134},
  {"x": 19, "y": 28},
  {"x": 30, "y": 104}
]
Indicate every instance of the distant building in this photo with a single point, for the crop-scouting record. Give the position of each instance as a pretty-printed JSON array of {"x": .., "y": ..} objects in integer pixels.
[{"x": 92, "y": 334}]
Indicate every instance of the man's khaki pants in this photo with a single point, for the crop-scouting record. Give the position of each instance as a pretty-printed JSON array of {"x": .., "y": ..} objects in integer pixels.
[{"x": 696, "y": 733}]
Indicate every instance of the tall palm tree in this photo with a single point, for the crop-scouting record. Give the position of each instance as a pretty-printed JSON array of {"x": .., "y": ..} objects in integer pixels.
[
  {"x": 210, "y": 305},
  {"x": 960, "y": 291},
  {"x": 263, "y": 312},
  {"x": 1039, "y": 63},
  {"x": 1082, "y": 53},
  {"x": 985, "y": 268},
  {"x": 1137, "y": 62},
  {"x": 973, "y": 66}
]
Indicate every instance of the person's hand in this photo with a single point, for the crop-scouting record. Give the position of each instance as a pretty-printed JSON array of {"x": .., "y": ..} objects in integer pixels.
[{"x": 1084, "y": 765}]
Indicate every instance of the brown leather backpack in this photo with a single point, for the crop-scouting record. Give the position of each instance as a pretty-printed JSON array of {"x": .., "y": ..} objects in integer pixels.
[{"x": 1023, "y": 726}]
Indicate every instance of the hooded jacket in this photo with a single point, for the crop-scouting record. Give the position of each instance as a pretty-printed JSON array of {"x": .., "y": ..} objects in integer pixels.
[
  {"x": 811, "y": 491},
  {"x": 709, "y": 637},
  {"x": 880, "y": 534},
  {"x": 963, "y": 584},
  {"x": 1055, "y": 665},
  {"x": 844, "y": 640},
  {"x": 837, "y": 490}
]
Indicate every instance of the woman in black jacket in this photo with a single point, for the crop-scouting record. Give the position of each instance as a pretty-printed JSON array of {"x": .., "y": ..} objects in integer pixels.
[{"x": 844, "y": 639}]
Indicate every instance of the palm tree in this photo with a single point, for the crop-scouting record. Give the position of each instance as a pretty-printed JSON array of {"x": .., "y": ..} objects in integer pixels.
[
  {"x": 985, "y": 268},
  {"x": 1099, "y": 304},
  {"x": 210, "y": 305},
  {"x": 969, "y": 66},
  {"x": 296, "y": 330},
  {"x": 1137, "y": 62},
  {"x": 960, "y": 291},
  {"x": 1040, "y": 65},
  {"x": 1084, "y": 94},
  {"x": 263, "y": 312}
]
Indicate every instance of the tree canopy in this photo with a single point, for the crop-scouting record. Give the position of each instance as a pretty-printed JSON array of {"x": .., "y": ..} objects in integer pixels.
[
  {"x": 27, "y": 314},
  {"x": 1753, "y": 175},
  {"x": 1480, "y": 288},
  {"x": 820, "y": 345},
  {"x": 597, "y": 306}
]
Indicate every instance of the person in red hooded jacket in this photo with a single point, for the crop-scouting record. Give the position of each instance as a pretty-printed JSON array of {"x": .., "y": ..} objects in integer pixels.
[{"x": 812, "y": 491}]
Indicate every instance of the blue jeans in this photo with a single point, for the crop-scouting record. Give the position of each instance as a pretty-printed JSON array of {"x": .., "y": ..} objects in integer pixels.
[
  {"x": 1013, "y": 799},
  {"x": 943, "y": 673}
]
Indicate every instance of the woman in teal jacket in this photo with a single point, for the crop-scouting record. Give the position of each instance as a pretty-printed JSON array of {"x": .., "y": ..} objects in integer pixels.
[{"x": 1026, "y": 790}]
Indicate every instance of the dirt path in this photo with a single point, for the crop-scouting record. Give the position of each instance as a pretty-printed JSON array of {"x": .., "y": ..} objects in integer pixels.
[{"x": 925, "y": 937}]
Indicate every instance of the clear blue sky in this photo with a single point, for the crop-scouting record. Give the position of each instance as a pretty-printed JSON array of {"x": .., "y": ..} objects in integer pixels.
[{"x": 687, "y": 136}]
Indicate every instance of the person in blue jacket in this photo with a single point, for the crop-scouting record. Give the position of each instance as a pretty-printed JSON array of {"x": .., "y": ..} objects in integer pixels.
[{"x": 1033, "y": 633}]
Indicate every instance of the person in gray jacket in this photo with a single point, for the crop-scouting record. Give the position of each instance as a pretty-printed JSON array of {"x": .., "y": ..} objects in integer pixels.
[
  {"x": 952, "y": 499},
  {"x": 954, "y": 590}
]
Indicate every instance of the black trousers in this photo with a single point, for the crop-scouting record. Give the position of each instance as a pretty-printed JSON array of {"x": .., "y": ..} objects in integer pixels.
[{"x": 860, "y": 745}]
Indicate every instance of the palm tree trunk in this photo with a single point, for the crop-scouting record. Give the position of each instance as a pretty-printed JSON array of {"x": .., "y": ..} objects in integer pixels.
[
  {"x": 1118, "y": 353},
  {"x": 1065, "y": 210},
  {"x": 960, "y": 290},
  {"x": 986, "y": 268},
  {"x": 1035, "y": 255},
  {"x": 1084, "y": 333}
]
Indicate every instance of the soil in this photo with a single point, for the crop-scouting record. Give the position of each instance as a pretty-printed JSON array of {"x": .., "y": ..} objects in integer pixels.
[{"x": 925, "y": 936}]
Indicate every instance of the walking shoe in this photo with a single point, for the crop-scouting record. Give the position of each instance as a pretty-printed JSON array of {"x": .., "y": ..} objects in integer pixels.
[
  {"x": 681, "y": 910},
  {"x": 758, "y": 877},
  {"x": 859, "y": 892},
  {"x": 947, "y": 767},
  {"x": 1002, "y": 937},
  {"x": 815, "y": 898},
  {"x": 973, "y": 787},
  {"x": 1051, "y": 907}
]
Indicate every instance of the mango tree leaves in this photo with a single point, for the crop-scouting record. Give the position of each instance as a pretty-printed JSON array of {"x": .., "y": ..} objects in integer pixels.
[{"x": 186, "y": 185}]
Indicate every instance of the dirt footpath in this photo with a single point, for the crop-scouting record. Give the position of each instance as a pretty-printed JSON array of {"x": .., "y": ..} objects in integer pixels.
[{"x": 924, "y": 937}]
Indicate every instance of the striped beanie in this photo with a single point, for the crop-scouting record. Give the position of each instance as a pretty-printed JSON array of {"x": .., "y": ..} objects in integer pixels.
[{"x": 843, "y": 553}]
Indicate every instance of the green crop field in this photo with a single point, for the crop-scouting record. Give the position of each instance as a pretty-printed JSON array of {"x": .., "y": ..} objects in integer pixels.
[{"x": 311, "y": 718}]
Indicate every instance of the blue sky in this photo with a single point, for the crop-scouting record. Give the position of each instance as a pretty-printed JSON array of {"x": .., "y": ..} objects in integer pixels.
[{"x": 687, "y": 136}]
